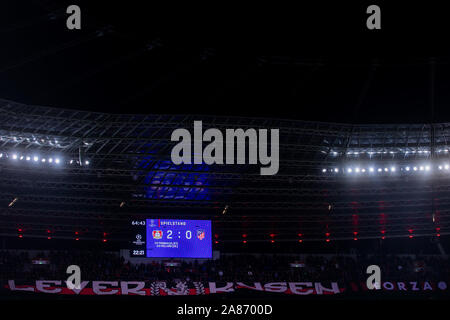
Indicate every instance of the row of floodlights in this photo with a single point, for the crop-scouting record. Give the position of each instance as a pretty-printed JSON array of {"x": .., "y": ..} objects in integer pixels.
[
  {"x": 370, "y": 153},
  {"x": 53, "y": 142},
  {"x": 350, "y": 170},
  {"x": 37, "y": 159}
]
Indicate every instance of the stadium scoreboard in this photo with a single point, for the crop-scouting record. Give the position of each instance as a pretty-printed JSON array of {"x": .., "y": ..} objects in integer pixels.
[{"x": 171, "y": 238}]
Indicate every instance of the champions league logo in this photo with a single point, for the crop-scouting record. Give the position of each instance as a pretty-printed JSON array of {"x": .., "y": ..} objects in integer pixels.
[
  {"x": 201, "y": 234},
  {"x": 152, "y": 223},
  {"x": 139, "y": 241}
]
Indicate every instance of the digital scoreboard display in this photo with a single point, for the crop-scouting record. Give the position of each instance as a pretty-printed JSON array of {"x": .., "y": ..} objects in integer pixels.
[{"x": 172, "y": 238}]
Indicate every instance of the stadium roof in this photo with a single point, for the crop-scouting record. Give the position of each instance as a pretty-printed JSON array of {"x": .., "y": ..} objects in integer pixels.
[{"x": 113, "y": 168}]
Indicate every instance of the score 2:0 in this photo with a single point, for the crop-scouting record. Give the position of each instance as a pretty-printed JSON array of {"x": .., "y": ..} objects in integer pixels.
[{"x": 169, "y": 234}]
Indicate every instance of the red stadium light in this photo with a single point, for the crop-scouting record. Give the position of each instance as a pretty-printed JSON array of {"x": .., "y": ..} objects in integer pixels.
[
  {"x": 383, "y": 237},
  {"x": 383, "y": 231},
  {"x": 49, "y": 238},
  {"x": 76, "y": 232},
  {"x": 20, "y": 230},
  {"x": 216, "y": 236},
  {"x": 355, "y": 233},
  {"x": 438, "y": 235},
  {"x": 76, "y": 239},
  {"x": 104, "y": 240},
  {"x": 300, "y": 240},
  {"x": 327, "y": 240},
  {"x": 245, "y": 241},
  {"x": 20, "y": 236},
  {"x": 300, "y": 235},
  {"x": 327, "y": 234},
  {"x": 438, "y": 229},
  {"x": 411, "y": 236},
  {"x": 244, "y": 235},
  {"x": 216, "y": 242},
  {"x": 355, "y": 238},
  {"x": 273, "y": 241},
  {"x": 272, "y": 235}
]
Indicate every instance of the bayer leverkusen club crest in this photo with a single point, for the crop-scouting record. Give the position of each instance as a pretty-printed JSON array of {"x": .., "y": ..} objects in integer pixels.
[
  {"x": 200, "y": 234},
  {"x": 157, "y": 234}
]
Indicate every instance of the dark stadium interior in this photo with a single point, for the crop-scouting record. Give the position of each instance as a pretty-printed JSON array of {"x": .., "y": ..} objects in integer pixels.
[
  {"x": 105, "y": 100},
  {"x": 145, "y": 58}
]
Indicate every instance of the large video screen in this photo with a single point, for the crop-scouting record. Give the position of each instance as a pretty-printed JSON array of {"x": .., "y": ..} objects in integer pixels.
[{"x": 172, "y": 238}]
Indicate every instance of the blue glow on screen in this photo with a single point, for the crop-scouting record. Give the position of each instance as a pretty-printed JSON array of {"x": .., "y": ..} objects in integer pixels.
[
  {"x": 164, "y": 181},
  {"x": 171, "y": 238}
]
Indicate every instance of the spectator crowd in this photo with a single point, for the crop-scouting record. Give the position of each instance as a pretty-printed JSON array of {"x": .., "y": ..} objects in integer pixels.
[{"x": 231, "y": 267}]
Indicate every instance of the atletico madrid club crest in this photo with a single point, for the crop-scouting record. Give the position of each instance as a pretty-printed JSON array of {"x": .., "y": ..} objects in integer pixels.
[{"x": 200, "y": 234}]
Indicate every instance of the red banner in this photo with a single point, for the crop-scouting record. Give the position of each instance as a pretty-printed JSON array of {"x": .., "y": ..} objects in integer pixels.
[{"x": 168, "y": 288}]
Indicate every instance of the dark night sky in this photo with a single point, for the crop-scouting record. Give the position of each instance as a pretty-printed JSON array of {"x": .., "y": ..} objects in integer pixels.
[{"x": 309, "y": 62}]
